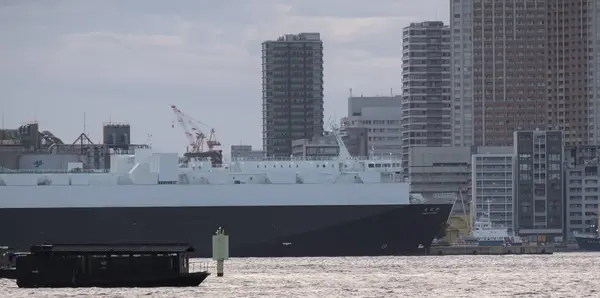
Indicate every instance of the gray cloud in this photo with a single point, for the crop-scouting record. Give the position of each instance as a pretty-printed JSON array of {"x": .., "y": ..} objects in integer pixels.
[{"x": 128, "y": 60}]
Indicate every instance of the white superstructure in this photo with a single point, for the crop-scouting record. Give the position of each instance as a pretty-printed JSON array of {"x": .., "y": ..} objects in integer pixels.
[
  {"x": 148, "y": 178},
  {"x": 483, "y": 230}
]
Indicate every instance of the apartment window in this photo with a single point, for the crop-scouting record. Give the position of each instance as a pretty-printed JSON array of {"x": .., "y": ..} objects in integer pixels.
[{"x": 554, "y": 157}]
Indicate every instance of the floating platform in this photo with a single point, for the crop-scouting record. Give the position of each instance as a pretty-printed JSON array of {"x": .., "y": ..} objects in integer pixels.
[
  {"x": 490, "y": 250},
  {"x": 105, "y": 265}
]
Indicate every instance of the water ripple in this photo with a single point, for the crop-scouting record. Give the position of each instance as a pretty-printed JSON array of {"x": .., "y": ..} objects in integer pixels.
[{"x": 558, "y": 275}]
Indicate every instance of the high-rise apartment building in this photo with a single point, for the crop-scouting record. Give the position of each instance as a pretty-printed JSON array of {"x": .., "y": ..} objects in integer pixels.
[
  {"x": 292, "y": 87},
  {"x": 461, "y": 71},
  {"x": 571, "y": 39},
  {"x": 593, "y": 73},
  {"x": 525, "y": 65},
  {"x": 426, "y": 102}
]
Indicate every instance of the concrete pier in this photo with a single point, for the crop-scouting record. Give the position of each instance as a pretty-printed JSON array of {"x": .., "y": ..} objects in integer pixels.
[{"x": 490, "y": 250}]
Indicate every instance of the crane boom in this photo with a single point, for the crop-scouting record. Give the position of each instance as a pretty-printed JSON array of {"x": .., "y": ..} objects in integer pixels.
[{"x": 196, "y": 138}]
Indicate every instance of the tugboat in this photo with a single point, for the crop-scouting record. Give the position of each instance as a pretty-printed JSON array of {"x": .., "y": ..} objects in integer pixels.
[
  {"x": 588, "y": 241},
  {"x": 487, "y": 235},
  {"x": 102, "y": 265}
]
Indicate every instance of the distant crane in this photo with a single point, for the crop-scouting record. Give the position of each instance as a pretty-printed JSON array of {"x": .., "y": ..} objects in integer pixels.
[
  {"x": 194, "y": 134},
  {"x": 196, "y": 138}
]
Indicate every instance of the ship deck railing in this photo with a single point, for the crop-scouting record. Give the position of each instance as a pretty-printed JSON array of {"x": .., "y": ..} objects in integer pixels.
[
  {"x": 198, "y": 266},
  {"x": 471, "y": 243},
  {"x": 316, "y": 158},
  {"x": 53, "y": 171}
]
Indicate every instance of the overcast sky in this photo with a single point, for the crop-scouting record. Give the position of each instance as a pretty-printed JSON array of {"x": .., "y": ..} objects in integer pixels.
[{"x": 127, "y": 61}]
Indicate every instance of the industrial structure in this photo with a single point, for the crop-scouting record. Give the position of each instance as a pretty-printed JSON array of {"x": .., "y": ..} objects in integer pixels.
[
  {"x": 28, "y": 148},
  {"x": 292, "y": 85},
  {"x": 197, "y": 139}
]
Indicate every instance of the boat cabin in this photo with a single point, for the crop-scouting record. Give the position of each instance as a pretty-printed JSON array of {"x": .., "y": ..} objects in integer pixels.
[{"x": 103, "y": 265}]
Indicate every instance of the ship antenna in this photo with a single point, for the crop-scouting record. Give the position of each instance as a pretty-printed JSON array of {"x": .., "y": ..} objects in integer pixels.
[{"x": 149, "y": 140}]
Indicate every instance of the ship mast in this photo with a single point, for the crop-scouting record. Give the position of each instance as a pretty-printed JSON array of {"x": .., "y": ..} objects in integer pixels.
[{"x": 344, "y": 154}]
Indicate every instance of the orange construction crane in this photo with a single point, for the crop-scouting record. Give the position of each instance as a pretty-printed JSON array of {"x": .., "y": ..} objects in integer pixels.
[{"x": 194, "y": 134}]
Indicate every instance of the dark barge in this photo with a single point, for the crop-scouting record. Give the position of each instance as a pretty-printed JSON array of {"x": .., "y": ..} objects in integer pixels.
[{"x": 106, "y": 265}]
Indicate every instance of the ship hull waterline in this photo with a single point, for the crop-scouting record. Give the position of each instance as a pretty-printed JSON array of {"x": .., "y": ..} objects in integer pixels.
[
  {"x": 588, "y": 243},
  {"x": 254, "y": 231}
]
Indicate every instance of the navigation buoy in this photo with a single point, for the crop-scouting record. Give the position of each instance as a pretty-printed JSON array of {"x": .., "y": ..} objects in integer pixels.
[{"x": 220, "y": 249}]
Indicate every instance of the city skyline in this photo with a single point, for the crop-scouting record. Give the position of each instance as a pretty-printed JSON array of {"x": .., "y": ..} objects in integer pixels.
[
  {"x": 524, "y": 65},
  {"x": 129, "y": 62}
]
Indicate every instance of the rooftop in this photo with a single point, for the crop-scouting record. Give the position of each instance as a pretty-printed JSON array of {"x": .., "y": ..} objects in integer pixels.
[{"x": 160, "y": 247}]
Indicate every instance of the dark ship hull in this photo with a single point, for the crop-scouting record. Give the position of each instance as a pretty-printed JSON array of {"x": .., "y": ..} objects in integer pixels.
[
  {"x": 255, "y": 231},
  {"x": 589, "y": 243}
]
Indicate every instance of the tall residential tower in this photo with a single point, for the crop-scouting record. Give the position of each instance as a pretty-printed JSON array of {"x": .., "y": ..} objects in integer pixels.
[
  {"x": 521, "y": 65},
  {"x": 292, "y": 87},
  {"x": 426, "y": 92},
  {"x": 461, "y": 26}
]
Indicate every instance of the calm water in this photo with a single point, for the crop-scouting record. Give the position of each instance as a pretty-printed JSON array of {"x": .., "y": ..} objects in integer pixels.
[{"x": 558, "y": 275}]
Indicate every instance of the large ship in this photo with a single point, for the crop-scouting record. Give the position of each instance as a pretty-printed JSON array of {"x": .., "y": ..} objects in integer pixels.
[{"x": 343, "y": 206}]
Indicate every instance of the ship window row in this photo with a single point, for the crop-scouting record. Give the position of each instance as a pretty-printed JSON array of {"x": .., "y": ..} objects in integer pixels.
[
  {"x": 377, "y": 165},
  {"x": 290, "y": 166},
  {"x": 384, "y": 165}
]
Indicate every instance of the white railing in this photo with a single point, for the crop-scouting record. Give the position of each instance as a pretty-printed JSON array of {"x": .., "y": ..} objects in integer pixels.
[
  {"x": 317, "y": 158},
  {"x": 51, "y": 171},
  {"x": 199, "y": 266}
]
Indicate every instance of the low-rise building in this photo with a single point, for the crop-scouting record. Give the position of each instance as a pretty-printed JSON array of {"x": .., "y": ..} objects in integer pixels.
[
  {"x": 492, "y": 188},
  {"x": 582, "y": 191}
]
